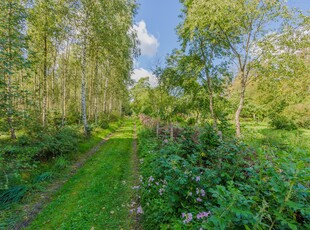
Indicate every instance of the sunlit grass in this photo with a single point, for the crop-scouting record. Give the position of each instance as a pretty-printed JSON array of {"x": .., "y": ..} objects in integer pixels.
[
  {"x": 259, "y": 134},
  {"x": 97, "y": 135},
  {"x": 97, "y": 196}
]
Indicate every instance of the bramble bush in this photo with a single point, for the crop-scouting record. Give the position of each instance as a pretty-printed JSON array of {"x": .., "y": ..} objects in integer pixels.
[{"x": 207, "y": 183}]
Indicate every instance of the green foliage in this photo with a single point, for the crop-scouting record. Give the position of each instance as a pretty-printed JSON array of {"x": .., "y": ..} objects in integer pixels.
[
  {"x": 20, "y": 159},
  {"x": 208, "y": 138},
  {"x": 103, "y": 123},
  {"x": 73, "y": 117},
  {"x": 61, "y": 163},
  {"x": 57, "y": 143},
  {"x": 299, "y": 113},
  {"x": 20, "y": 165},
  {"x": 282, "y": 122},
  {"x": 12, "y": 63},
  {"x": 12, "y": 195},
  {"x": 43, "y": 177},
  {"x": 113, "y": 117},
  {"x": 230, "y": 184},
  {"x": 281, "y": 86}
]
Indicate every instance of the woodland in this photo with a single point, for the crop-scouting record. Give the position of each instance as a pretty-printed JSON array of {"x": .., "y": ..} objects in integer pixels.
[{"x": 221, "y": 141}]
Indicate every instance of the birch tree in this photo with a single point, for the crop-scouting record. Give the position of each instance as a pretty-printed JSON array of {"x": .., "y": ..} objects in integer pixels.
[
  {"x": 12, "y": 60},
  {"x": 237, "y": 26}
]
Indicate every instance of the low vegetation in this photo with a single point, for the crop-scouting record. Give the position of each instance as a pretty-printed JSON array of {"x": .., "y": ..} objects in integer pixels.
[
  {"x": 30, "y": 164},
  {"x": 199, "y": 181}
]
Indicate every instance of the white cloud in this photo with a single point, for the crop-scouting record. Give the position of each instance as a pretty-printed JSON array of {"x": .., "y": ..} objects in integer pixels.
[
  {"x": 148, "y": 42},
  {"x": 141, "y": 73}
]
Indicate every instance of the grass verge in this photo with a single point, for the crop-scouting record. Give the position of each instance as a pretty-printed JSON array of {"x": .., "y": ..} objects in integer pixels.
[{"x": 260, "y": 134}]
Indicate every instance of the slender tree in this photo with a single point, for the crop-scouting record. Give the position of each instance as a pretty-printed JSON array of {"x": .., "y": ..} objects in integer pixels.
[
  {"x": 12, "y": 59},
  {"x": 237, "y": 26}
]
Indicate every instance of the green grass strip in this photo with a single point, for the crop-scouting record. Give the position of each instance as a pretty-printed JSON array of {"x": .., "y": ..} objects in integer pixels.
[{"x": 97, "y": 196}]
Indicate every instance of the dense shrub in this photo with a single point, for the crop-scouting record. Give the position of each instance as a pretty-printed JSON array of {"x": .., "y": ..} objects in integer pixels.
[
  {"x": 208, "y": 139},
  {"x": 282, "y": 122},
  {"x": 61, "y": 162},
  {"x": 303, "y": 122},
  {"x": 21, "y": 158},
  {"x": 113, "y": 117},
  {"x": 214, "y": 184},
  {"x": 103, "y": 123},
  {"x": 58, "y": 142},
  {"x": 73, "y": 117},
  {"x": 16, "y": 161},
  {"x": 299, "y": 113}
]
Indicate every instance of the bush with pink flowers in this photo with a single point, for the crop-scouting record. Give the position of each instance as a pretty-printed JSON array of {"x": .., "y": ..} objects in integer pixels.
[{"x": 215, "y": 184}]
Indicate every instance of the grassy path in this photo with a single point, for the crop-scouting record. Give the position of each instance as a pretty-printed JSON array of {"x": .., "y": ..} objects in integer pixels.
[{"x": 97, "y": 196}]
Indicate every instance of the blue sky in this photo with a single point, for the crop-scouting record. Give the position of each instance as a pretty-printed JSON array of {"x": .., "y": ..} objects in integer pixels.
[{"x": 156, "y": 22}]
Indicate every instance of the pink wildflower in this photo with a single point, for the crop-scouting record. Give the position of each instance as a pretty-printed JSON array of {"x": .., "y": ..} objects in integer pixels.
[
  {"x": 139, "y": 210},
  {"x": 203, "y": 214},
  {"x": 188, "y": 217}
]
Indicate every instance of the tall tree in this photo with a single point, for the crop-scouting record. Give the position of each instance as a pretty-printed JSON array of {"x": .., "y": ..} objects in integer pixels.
[
  {"x": 81, "y": 54},
  {"x": 238, "y": 26},
  {"x": 12, "y": 59},
  {"x": 205, "y": 53},
  {"x": 283, "y": 70},
  {"x": 44, "y": 30}
]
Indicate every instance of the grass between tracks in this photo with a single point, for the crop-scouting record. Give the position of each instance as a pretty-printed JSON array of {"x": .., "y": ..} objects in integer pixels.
[{"x": 98, "y": 195}]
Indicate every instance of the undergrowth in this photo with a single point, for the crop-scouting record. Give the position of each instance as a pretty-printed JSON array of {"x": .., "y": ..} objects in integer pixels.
[
  {"x": 207, "y": 183},
  {"x": 29, "y": 164}
]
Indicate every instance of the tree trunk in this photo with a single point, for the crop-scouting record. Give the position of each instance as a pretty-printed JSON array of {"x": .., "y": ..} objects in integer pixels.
[
  {"x": 171, "y": 131},
  {"x": 238, "y": 112},
  {"x": 90, "y": 92},
  {"x": 64, "y": 93},
  {"x": 75, "y": 89},
  {"x": 97, "y": 89},
  {"x": 63, "y": 111},
  {"x": 211, "y": 105},
  {"x": 44, "y": 101},
  {"x": 9, "y": 83},
  {"x": 120, "y": 108},
  {"x": 53, "y": 80},
  {"x": 209, "y": 85},
  {"x": 83, "y": 89},
  {"x": 157, "y": 129},
  {"x": 110, "y": 104},
  {"x": 10, "y": 108},
  {"x": 105, "y": 95}
]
